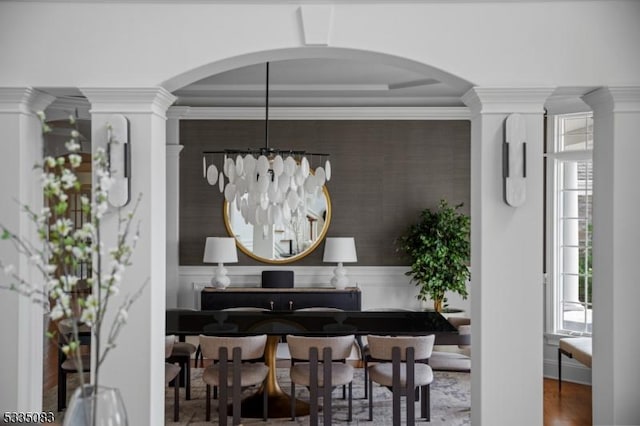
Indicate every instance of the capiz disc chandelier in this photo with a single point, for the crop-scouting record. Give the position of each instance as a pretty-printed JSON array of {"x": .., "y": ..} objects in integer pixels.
[{"x": 269, "y": 186}]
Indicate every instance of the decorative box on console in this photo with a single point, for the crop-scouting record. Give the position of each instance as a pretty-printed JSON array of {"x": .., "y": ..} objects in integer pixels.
[{"x": 277, "y": 279}]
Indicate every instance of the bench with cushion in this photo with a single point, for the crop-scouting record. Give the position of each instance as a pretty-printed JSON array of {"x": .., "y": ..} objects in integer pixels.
[{"x": 578, "y": 348}]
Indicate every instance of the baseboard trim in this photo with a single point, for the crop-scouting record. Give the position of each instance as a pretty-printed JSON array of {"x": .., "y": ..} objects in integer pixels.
[{"x": 572, "y": 371}]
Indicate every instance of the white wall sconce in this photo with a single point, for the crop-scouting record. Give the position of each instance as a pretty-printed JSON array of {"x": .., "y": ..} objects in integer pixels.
[
  {"x": 220, "y": 250},
  {"x": 340, "y": 250},
  {"x": 119, "y": 156},
  {"x": 514, "y": 161}
]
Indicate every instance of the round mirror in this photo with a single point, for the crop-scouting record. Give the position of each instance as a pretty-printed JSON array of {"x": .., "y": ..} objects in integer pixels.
[{"x": 294, "y": 237}]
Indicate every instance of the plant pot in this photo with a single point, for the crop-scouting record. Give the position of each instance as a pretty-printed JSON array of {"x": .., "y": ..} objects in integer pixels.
[{"x": 91, "y": 408}]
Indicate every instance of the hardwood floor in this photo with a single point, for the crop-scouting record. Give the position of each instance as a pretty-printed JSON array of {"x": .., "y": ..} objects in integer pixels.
[{"x": 571, "y": 407}]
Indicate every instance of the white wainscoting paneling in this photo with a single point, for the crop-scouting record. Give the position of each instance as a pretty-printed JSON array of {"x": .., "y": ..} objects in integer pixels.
[{"x": 381, "y": 286}]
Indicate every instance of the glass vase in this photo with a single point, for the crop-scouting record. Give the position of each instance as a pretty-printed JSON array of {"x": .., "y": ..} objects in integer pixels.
[{"x": 91, "y": 408}]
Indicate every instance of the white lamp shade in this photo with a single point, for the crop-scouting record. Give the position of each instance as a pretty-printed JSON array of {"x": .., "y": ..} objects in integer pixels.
[
  {"x": 220, "y": 250},
  {"x": 340, "y": 250}
]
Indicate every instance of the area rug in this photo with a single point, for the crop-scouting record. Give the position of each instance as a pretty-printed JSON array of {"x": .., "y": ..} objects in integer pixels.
[{"x": 450, "y": 402}]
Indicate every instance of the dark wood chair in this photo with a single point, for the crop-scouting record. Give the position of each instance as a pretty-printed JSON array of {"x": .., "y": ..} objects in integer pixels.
[
  {"x": 232, "y": 370},
  {"x": 181, "y": 354},
  {"x": 313, "y": 366},
  {"x": 401, "y": 365},
  {"x": 172, "y": 374}
]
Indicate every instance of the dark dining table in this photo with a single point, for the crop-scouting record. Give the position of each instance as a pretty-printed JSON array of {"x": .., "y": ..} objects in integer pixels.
[{"x": 276, "y": 324}]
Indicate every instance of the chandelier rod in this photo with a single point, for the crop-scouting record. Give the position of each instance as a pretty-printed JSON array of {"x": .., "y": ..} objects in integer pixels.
[
  {"x": 266, "y": 150},
  {"x": 266, "y": 115}
]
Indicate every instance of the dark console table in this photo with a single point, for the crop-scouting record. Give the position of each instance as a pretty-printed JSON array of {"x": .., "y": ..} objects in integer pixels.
[{"x": 281, "y": 299}]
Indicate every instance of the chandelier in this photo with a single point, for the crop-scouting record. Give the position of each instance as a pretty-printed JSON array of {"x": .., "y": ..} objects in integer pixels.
[{"x": 269, "y": 186}]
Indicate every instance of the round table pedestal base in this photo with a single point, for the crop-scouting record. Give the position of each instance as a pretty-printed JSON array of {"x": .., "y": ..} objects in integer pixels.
[{"x": 279, "y": 406}]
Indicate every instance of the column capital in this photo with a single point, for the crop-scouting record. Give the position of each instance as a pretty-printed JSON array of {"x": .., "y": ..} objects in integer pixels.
[
  {"x": 132, "y": 100},
  {"x": 618, "y": 99},
  {"x": 178, "y": 112},
  {"x": 566, "y": 104},
  {"x": 23, "y": 100},
  {"x": 173, "y": 151},
  {"x": 506, "y": 100}
]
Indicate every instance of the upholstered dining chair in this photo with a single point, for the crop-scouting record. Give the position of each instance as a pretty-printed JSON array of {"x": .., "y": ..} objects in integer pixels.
[
  {"x": 232, "y": 369},
  {"x": 313, "y": 366},
  {"x": 454, "y": 357},
  {"x": 69, "y": 364},
  {"x": 363, "y": 346},
  {"x": 181, "y": 353},
  {"x": 334, "y": 328},
  {"x": 401, "y": 364},
  {"x": 172, "y": 373}
]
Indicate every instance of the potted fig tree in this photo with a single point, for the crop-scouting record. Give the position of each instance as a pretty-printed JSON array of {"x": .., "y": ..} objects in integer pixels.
[{"x": 439, "y": 249}]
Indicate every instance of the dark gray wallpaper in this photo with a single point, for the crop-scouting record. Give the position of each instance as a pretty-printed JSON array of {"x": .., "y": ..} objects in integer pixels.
[{"x": 383, "y": 174}]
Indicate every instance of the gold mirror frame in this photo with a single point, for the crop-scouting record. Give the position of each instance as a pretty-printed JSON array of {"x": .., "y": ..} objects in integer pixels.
[{"x": 321, "y": 236}]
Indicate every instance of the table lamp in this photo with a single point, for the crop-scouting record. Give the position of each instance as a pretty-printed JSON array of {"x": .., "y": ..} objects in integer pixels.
[
  {"x": 220, "y": 250},
  {"x": 340, "y": 250}
]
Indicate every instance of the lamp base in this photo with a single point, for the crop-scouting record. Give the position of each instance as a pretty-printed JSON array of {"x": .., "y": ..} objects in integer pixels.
[
  {"x": 220, "y": 279},
  {"x": 340, "y": 279}
]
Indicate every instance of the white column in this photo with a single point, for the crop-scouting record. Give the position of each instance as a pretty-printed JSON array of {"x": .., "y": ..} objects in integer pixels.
[
  {"x": 173, "y": 206},
  {"x": 136, "y": 365},
  {"x": 616, "y": 289},
  {"x": 506, "y": 262},
  {"x": 22, "y": 321}
]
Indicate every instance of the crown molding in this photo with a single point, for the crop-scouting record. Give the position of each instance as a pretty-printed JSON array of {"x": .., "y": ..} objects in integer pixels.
[
  {"x": 506, "y": 100},
  {"x": 23, "y": 100},
  {"x": 320, "y": 113},
  {"x": 566, "y": 105},
  {"x": 134, "y": 100},
  {"x": 177, "y": 112},
  {"x": 619, "y": 99},
  {"x": 356, "y": 100},
  {"x": 258, "y": 89}
]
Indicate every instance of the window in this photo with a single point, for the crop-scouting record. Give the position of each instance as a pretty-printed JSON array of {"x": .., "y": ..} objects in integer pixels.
[{"x": 569, "y": 223}]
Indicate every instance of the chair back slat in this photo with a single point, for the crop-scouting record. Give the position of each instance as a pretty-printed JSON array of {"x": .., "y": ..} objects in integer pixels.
[
  {"x": 235, "y": 392},
  {"x": 381, "y": 346},
  {"x": 313, "y": 389},
  {"x": 327, "y": 384},
  {"x": 223, "y": 357},
  {"x": 410, "y": 383}
]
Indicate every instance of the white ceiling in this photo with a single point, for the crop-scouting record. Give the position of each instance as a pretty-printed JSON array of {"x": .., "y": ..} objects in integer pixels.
[{"x": 320, "y": 82}]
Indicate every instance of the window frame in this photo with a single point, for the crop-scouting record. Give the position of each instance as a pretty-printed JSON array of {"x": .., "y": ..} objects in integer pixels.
[{"x": 553, "y": 159}]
